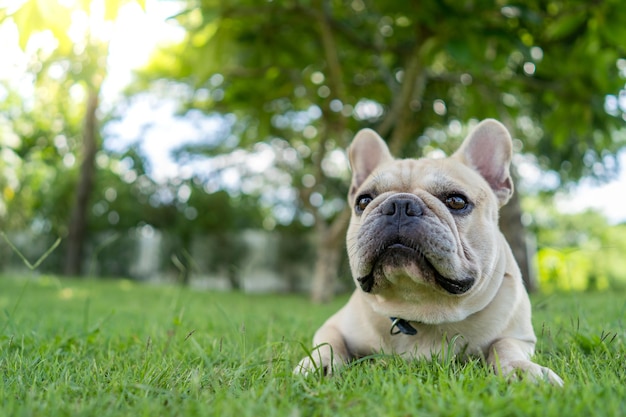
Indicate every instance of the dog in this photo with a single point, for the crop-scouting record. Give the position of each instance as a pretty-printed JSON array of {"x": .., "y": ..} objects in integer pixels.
[{"x": 432, "y": 270}]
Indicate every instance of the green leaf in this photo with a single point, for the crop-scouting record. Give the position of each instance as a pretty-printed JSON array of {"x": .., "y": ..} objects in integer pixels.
[
  {"x": 29, "y": 20},
  {"x": 566, "y": 25},
  {"x": 40, "y": 15},
  {"x": 84, "y": 5},
  {"x": 111, "y": 9}
]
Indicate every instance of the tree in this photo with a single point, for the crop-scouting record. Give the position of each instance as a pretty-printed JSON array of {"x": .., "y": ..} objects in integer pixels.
[
  {"x": 578, "y": 251},
  {"x": 39, "y": 141},
  {"x": 308, "y": 74},
  {"x": 75, "y": 64}
]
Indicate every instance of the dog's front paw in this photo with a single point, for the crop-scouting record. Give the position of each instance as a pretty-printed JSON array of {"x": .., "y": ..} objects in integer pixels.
[
  {"x": 532, "y": 371},
  {"x": 321, "y": 360}
]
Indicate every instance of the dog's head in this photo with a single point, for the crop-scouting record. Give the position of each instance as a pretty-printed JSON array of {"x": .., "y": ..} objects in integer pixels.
[{"x": 423, "y": 240}]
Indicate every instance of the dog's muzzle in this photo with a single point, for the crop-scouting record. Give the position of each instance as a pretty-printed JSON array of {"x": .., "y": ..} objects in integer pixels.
[{"x": 399, "y": 213}]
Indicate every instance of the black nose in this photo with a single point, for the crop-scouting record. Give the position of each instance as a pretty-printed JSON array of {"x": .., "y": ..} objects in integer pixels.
[{"x": 402, "y": 207}]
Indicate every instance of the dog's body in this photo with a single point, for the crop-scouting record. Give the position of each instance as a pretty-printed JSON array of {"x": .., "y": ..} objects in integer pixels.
[{"x": 432, "y": 269}]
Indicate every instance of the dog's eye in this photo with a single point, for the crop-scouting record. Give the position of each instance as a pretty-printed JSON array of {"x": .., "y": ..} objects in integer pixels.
[
  {"x": 362, "y": 202},
  {"x": 456, "y": 202}
]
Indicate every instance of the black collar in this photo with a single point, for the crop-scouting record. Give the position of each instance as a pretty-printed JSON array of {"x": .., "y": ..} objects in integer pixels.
[{"x": 401, "y": 326}]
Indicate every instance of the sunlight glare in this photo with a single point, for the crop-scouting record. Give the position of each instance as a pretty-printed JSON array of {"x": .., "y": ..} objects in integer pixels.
[
  {"x": 607, "y": 198},
  {"x": 11, "y": 5},
  {"x": 44, "y": 41},
  {"x": 79, "y": 26},
  {"x": 261, "y": 161},
  {"x": 131, "y": 48}
]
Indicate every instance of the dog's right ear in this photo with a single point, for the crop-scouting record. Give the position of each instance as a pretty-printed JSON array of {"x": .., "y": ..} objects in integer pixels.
[
  {"x": 367, "y": 151},
  {"x": 489, "y": 149}
]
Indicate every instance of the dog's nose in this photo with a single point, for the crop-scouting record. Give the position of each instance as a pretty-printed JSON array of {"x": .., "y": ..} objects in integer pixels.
[{"x": 400, "y": 207}]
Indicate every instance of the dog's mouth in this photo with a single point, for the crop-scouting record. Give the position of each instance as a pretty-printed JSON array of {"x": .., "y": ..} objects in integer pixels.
[{"x": 452, "y": 286}]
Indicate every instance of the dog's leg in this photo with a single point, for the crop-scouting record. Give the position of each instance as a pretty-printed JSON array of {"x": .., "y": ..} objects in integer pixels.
[
  {"x": 329, "y": 351},
  {"x": 508, "y": 356}
]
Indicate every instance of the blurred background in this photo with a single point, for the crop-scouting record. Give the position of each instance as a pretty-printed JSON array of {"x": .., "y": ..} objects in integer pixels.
[{"x": 203, "y": 142}]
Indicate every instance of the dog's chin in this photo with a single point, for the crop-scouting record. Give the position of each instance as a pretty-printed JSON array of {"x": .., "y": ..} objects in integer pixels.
[{"x": 399, "y": 261}]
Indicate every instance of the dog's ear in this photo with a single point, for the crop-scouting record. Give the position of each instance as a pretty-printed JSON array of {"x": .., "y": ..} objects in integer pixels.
[
  {"x": 488, "y": 149},
  {"x": 367, "y": 151}
]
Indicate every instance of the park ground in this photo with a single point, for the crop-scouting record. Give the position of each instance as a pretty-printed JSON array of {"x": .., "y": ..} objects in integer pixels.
[{"x": 119, "y": 348}]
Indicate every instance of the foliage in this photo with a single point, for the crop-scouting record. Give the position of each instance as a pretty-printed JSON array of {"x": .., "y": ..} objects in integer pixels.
[
  {"x": 39, "y": 148},
  {"x": 67, "y": 350},
  {"x": 577, "y": 251},
  {"x": 310, "y": 73},
  {"x": 34, "y": 16},
  {"x": 41, "y": 145},
  {"x": 292, "y": 81},
  {"x": 73, "y": 63},
  {"x": 125, "y": 200}
]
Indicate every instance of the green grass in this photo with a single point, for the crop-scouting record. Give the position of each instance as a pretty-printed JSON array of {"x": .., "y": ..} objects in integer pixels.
[{"x": 112, "y": 348}]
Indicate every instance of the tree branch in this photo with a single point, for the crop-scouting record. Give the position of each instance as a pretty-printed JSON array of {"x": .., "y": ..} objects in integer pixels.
[
  {"x": 331, "y": 54},
  {"x": 334, "y": 123},
  {"x": 412, "y": 87}
]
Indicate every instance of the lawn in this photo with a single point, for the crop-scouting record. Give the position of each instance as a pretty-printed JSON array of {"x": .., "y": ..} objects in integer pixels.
[{"x": 117, "y": 348}]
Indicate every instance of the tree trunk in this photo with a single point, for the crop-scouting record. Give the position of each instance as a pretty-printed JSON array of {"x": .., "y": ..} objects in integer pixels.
[
  {"x": 325, "y": 276},
  {"x": 330, "y": 243},
  {"x": 330, "y": 238},
  {"x": 77, "y": 231},
  {"x": 515, "y": 233}
]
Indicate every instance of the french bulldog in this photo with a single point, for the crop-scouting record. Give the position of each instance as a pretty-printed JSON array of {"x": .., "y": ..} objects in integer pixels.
[{"x": 432, "y": 270}]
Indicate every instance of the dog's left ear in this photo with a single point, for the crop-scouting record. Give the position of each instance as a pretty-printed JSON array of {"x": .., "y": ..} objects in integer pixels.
[
  {"x": 366, "y": 152},
  {"x": 488, "y": 149}
]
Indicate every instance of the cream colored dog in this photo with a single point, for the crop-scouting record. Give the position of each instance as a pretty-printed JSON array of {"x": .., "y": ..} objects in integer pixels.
[{"x": 433, "y": 271}]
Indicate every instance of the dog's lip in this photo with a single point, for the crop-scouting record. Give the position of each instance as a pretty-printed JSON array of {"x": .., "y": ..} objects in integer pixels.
[
  {"x": 452, "y": 286},
  {"x": 456, "y": 287},
  {"x": 401, "y": 246}
]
